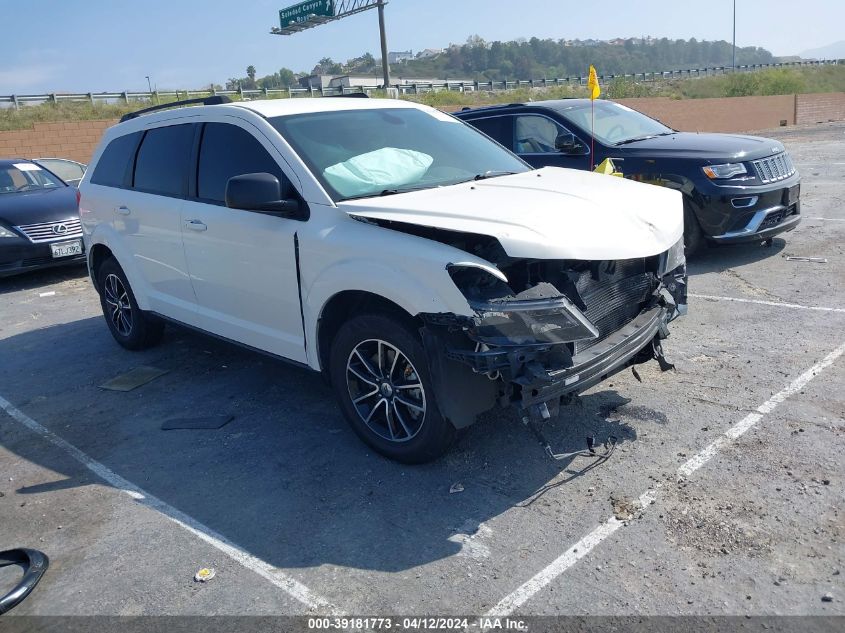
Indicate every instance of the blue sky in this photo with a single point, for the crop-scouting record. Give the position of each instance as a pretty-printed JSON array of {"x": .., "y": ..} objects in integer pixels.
[{"x": 98, "y": 45}]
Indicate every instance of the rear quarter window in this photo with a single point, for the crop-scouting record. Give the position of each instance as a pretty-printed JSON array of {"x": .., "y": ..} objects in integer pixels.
[
  {"x": 112, "y": 170},
  {"x": 163, "y": 160}
]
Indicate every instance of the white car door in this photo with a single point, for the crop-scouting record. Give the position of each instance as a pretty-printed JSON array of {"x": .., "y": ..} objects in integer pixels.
[
  {"x": 147, "y": 217},
  {"x": 242, "y": 264}
]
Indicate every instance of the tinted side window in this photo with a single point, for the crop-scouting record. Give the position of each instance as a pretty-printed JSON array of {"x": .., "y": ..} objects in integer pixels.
[
  {"x": 163, "y": 160},
  {"x": 227, "y": 151},
  {"x": 111, "y": 169},
  {"x": 497, "y": 128}
]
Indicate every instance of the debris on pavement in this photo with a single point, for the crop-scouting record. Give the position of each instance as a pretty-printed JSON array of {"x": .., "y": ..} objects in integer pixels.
[
  {"x": 207, "y": 422},
  {"x": 817, "y": 260},
  {"x": 827, "y": 598},
  {"x": 52, "y": 293},
  {"x": 456, "y": 487},
  {"x": 204, "y": 575},
  {"x": 134, "y": 378},
  {"x": 624, "y": 509}
]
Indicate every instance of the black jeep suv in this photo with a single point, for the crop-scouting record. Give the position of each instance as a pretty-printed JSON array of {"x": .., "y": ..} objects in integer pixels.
[{"x": 736, "y": 188}]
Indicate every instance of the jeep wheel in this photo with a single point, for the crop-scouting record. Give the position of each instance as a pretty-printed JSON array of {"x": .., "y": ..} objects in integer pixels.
[
  {"x": 129, "y": 326},
  {"x": 693, "y": 235},
  {"x": 381, "y": 379}
]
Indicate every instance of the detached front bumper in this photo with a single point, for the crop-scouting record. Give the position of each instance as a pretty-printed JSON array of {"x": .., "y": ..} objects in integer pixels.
[{"x": 535, "y": 376}]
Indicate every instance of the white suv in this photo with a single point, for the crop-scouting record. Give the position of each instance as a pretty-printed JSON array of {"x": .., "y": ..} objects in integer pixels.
[{"x": 425, "y": 270}]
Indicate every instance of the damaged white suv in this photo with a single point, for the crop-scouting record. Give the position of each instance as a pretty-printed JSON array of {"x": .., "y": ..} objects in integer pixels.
[{"x": 429, "y": 273}]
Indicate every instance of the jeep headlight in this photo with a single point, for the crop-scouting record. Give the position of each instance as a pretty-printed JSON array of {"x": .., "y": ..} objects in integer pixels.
[
  {"x": 726, "y": 170},
  {"x": 675, "y": 256},
  {"x": 4, "y": 232}
]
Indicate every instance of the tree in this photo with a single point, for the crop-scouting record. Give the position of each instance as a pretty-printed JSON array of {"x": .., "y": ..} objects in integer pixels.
[
  {"x": 286, "y": 78},
  {"x": 249, "y": 82}
]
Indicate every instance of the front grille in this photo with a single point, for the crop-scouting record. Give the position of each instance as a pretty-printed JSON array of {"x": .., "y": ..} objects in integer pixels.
[
  {"x": 51, "y": 231},
  {"x": 774, "y": 168},
  {"x": 615, "y": 298}
]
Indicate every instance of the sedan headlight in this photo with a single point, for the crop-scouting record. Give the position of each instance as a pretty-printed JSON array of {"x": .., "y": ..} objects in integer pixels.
[
  {"x": 675, "y": 256},
  {"x": 726, "y": 170},
  {"x": 4, "y": 232}
]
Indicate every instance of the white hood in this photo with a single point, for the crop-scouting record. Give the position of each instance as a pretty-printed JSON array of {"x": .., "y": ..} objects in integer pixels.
[{"x": 549, "y": 213}]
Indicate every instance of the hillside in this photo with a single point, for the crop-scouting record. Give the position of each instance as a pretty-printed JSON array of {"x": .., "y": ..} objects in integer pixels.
[
  {"x": 831, "y": 51},
  {"x": 478, "y": 59}
]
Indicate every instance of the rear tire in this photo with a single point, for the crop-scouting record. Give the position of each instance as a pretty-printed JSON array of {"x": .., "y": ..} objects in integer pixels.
[
  {"x": 380, "y": 376},
  {"x": 693, "y": 235},
  {"x": 131, "y": 327}
]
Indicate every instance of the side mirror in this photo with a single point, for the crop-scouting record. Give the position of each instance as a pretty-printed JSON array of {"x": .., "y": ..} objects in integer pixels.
[
  {"x": 260, "y": 192},
  {"x": 567, "y": 143}
]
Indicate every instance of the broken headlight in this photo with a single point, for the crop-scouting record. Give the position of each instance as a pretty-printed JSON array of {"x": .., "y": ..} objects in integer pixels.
[
  {"x": 540, "y": 315},
  {"x": 530, "y": 322},
  {"x": 675, "y": 256}
]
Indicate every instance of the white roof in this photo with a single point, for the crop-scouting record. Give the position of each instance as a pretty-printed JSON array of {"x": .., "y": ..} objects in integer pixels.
[{"x": 302, "y": 105}]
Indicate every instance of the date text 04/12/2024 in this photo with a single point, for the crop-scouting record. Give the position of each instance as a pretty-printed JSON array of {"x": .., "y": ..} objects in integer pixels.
[{"x": 418, "y": 623}]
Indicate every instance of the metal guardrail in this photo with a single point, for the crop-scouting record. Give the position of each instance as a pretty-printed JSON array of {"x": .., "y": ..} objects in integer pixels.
[{"x": 402, "y": 88}]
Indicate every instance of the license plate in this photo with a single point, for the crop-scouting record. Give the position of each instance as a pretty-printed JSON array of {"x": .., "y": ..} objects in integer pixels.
[
  {"x": 66, "y": 249},
  {"x": 794, "y": 192}
]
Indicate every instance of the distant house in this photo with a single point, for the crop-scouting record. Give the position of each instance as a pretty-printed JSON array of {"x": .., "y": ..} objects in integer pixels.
[
  {"x": 355, "y": 81},
  {"x": 316, "y": 81},
  {"x": 429, "y": 52},
  {"x": 619, "y": 41},
  {"x": 399, "y": 56}
]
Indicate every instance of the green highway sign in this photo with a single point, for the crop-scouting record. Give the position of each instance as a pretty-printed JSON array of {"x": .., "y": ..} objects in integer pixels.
[{"x": 304, "y": 11}]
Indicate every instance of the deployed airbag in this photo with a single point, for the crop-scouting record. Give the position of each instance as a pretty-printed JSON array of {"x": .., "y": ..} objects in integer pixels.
[{"x": 384, "y": 168}]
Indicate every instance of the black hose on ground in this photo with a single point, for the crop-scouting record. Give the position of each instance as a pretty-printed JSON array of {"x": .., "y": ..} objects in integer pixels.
[{"x": 34, "y": 565}]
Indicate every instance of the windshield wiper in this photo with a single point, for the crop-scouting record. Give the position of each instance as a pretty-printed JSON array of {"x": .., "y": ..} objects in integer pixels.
[
  {"x": 641, "y": 138},
  {"x": 490, "y": 173},
  {"x": 389, "y": 192}
]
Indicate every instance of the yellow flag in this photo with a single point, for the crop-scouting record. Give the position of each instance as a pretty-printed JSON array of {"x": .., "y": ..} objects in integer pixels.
[{"x": 593, "y": 84}]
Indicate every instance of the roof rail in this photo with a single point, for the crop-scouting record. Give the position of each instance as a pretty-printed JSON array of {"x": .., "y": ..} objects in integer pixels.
[
  {"x": 213, "y": 100},
  {"x": 352, "y": 95}
]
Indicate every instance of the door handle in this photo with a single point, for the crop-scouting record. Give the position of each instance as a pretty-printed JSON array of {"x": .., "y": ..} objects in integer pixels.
[
  {"x": 123, "y": 210},
  {"x": 196, "y": 225}
]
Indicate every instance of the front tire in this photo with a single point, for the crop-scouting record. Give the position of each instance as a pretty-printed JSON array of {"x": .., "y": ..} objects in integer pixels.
[
  {"x": 693, "y": 235},
  {"x": 382, "y": 383},
  {"x": 132, "y": 328}
]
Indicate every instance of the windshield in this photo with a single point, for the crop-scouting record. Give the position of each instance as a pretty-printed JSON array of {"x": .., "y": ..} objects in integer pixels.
[
  {"x": 363, "y": 153},
  {"x": 68, "y": 170},
  {"x": 614, "y": 123},
  {"x": 19, "y": 177}
]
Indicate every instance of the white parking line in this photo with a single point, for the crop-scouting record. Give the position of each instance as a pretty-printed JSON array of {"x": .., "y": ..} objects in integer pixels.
[
  {"x": 829, "y": 219},
  {"x": 579, "y": 550},
  {"x": 778, "y": 304},
  {"x": 289, "y": 585}
]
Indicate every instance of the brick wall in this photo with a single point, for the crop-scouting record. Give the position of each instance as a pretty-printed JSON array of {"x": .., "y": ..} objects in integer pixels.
[
  {"x": 71, "y": 139},
  {"x": 79, "y": 139},
  {"x": 820, "y": 108}
]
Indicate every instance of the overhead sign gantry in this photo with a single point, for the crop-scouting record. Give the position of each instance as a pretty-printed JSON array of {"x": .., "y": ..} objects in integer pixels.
[{"x": 311, "y": 13}]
